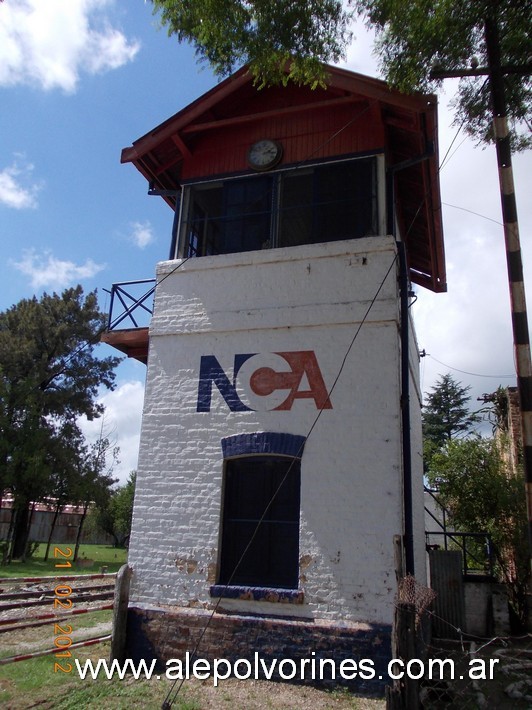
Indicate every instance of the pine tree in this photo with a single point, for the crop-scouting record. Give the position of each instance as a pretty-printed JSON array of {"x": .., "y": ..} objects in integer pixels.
[{"x": 446, "y": 414}]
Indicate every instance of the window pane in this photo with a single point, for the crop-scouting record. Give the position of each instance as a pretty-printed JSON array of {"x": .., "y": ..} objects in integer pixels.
[
  {"x": 247, "y": 210},
  {"x": 345, "y": 201},
  {"x": 324, "y": 203},
  {"x": 267, "y": 488},
  {"x": 202, "y": 230},
  {"x": 296, "y": 212},
  {"x": 328, "y": 203}
]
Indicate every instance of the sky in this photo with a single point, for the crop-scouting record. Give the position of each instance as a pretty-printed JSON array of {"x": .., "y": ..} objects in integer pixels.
[{"x": 82, "y": 79}]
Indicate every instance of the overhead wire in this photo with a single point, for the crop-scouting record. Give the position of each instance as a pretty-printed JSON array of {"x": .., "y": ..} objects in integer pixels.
[
  {"x": 473, "y": 374},
  {"x": 477, "y": 214}
]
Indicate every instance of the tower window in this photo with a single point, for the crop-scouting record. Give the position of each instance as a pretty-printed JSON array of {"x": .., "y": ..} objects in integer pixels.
[
  {"x": 261, "y": 502},
  {"x": 308, "y": 205}
]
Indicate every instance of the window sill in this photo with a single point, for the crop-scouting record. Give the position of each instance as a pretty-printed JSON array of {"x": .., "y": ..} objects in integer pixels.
[{"x": 258, "y": 594}]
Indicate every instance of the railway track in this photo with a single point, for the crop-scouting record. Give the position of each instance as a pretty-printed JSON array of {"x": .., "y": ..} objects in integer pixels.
[
  {"x": 49, "y": 598},
  {"x": 28, "y": 603},
  {"x": 62, "y": 592}
]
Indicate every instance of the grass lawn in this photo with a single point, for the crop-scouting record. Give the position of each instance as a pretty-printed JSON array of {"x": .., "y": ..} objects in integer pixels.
[
  {"x": 103, "y": 555},
  {"x": 33, "y": 683}
]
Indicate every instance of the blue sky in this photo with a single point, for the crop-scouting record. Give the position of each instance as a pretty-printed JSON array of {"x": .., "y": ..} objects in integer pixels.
[{"x": 82, "y": 79}]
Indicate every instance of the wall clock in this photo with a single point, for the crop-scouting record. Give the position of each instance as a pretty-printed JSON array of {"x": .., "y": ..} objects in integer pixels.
[{"x": 264, "y": 154}]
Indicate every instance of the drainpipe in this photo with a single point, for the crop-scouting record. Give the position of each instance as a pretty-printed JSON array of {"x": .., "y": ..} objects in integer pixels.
[
  {"x": 404, "y": 286},
  {"x": 408, "y": 535},
  {"x": 405, "y": 411}
]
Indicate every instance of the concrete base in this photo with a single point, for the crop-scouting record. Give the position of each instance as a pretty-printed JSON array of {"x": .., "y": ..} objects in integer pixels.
[{"x": 170, "y": 634}]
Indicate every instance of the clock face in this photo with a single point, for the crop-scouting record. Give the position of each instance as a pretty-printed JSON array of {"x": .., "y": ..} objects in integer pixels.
[{"x": 264, "y": 154}]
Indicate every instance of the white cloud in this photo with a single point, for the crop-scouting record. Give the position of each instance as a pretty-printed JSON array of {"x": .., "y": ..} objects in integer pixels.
[
  {"x": 49, "y": 43},
  {"x": 121, "y": 425},
  {"x": 47, "y": 271},
  {"x": 141, "y": 234},
  {"x": 16, "y": 188}
]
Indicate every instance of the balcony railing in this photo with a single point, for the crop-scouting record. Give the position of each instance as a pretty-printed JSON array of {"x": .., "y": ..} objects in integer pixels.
[
  {"x": 476, "y": 548},
  {"x": 131, "y": 305}
]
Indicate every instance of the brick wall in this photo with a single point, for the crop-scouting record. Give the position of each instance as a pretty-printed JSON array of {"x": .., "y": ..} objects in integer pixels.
[
  {"x": 166, "y": 635},
  {"x": 309, "y": 298}
]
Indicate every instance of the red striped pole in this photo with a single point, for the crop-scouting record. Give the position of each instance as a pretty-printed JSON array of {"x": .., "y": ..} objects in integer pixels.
[{"x": 36, "y": 654}]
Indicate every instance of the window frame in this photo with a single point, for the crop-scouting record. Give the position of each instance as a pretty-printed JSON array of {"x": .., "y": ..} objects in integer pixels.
[
  {"x": 263, "y": 529},
  {"x": 277, "y": 177}
]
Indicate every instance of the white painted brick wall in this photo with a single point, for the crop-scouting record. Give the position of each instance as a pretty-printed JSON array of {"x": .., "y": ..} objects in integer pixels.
[{"x": 304, "y": 298}]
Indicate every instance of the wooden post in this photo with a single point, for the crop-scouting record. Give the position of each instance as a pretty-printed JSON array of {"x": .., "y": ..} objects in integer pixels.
[
  {"x": 404, "y": 695},
  {"x": 121, "y": 600},
  {"x": 399, "y": 558}
]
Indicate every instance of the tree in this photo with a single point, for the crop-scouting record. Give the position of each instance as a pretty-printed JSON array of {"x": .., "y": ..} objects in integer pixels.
[
  {"x": 264, "y": 33},
  {"x": 418, "y": 36},
  {"x": 94, "y": 481},
  {"x": 114, "y": 516},
  {"x": 63, "y": 478},
  {"x": 49, "y": 376},
  {"x": 446, "y": 413},
  {"x": 412, "y": 37},
  {"x": 482, "y": 496}
]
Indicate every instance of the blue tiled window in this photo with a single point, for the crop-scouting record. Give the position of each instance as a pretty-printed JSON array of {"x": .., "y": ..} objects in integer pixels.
[{"x": 261, "y": 505}]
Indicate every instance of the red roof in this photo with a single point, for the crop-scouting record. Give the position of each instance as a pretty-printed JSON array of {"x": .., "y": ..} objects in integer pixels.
[{"x": 209, "y": 136}]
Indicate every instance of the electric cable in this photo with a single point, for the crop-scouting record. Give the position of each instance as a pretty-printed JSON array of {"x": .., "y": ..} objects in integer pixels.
[
  {"x": 473, "y": 374},
  {"x": 477, "y": 214}
]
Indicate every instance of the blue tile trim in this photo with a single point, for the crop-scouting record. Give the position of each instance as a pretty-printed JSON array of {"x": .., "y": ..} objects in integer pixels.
[
  {"x": 258, "y": 594},
  {"x": 266, "y": 442}
]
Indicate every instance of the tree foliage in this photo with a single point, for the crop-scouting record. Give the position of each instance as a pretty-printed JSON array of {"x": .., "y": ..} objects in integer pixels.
[
  {"x": 49, "y": 376},
  {"x": 413, "y": 37},
  {"x": 417, "y": 36},
  {"x": 483, "y": 497},
  {"x": 115, "y": 513},
  {"x": 266, "y": 34}
]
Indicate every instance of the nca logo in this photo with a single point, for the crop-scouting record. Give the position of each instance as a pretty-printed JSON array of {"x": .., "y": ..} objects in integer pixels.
[{"x": 263, "y": 382}]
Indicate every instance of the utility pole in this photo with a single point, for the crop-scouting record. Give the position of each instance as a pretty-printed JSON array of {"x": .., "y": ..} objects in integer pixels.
[
  {"x": 495, "y": 72},
  {"x": 513, "y": 255}
]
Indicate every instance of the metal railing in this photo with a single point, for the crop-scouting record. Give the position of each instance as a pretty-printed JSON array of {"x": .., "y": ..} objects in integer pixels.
[
  {"x": 127, "y": 305},
  {"x": 476, "y": 548}
]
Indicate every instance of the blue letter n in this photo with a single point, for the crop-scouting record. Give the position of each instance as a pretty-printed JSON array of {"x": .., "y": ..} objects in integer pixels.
[{"x": 210, "y": 371}]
